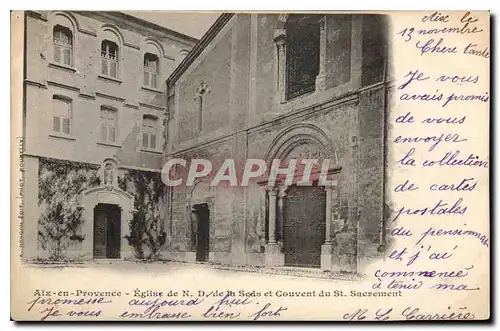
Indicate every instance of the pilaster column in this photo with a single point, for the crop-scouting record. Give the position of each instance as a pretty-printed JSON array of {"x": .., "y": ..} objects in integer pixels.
[
  {"x": 353, "y": 203},
  {"x": 190, "y": 230},
  {"x": 281, "y": 208},
  {"x": 273, "y": 192},
  {"x": 328, "y": 226},
  {"x": 273, "y": 255},
  {"x": 280, "y": 60},
  {"x": 320, "y": 79}
]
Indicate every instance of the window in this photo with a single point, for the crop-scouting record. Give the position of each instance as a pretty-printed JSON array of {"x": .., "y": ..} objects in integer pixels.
[
  {"x": 63, "y": 45},
  {"x": 61, "y": 115},
  {"x": 199, "y": 112},
  {"x": 108, "y": 124},
  {"x": 183, "y": 53},
  {"x": 302, "y": 54},
  {"x": 109, "y": 58},
  {"x": 149, "y": 132},
  {"x": 201, "y": 91},
  {"x": 151, "y": 70}
]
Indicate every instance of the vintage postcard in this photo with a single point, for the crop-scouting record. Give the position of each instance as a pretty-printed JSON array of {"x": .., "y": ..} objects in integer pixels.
[{"x": 252, "y": 166}]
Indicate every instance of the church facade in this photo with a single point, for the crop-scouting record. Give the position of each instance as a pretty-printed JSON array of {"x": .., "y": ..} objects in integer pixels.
[
  {"x": 93, "y": 135},
  {"x": 282, "y": 86}
]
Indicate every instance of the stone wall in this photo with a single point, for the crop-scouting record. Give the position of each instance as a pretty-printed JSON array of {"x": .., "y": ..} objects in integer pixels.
[
  {"x": 63, "y": 184},
  {"x": 88, "y": 89},
  {"x": 240, "y": 66},
  {"x": 61, "y": 222}
]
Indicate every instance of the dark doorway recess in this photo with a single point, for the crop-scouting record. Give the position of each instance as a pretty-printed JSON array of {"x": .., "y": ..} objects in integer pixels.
[
  {"x": 107, "y": 231},
  {"x": 201, "y": 212}
]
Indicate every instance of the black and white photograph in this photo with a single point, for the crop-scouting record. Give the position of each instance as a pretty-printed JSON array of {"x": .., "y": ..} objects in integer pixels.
[
  {"x": 313, "y": 148},
  {"x": 109, "y": 97}
]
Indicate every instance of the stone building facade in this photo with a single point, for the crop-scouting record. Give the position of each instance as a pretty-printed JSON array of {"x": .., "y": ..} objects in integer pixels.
[
  {"x": 271, "y": 86},
  {"x": 94, "y": 124}
]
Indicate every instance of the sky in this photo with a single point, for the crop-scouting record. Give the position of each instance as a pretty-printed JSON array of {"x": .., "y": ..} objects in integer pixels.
[{"x": 194, "y": 24}]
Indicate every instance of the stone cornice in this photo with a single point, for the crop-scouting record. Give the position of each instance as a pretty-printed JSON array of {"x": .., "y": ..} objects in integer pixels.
[
  {"x": 329, "y": 105},
  {"x": 132, "y": 22}
]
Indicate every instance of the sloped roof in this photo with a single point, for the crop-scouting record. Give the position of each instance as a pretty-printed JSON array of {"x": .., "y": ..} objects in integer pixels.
[{"x": 199, "y": 47}]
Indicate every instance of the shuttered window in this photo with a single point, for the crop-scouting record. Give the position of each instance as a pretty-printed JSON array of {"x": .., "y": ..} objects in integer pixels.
[
  {"x": 61, "y": 115},
  {"x": 108, "y": 124},
  {"x": 109, "y": 58},
  {"x": 63, "y": 45},
  {"x": 151, "y": 70},
  {"x": 149, "y": 132}
]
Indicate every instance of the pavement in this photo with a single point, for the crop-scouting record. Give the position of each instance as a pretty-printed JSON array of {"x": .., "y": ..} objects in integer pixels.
[{"x": 172, "y": 266}]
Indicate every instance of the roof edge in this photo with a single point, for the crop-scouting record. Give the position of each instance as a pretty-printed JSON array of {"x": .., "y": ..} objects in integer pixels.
[
  {"x": 213, "y": 31},
  {"x": 154, "y": 25},
  {"x": 131, "y": 20}
]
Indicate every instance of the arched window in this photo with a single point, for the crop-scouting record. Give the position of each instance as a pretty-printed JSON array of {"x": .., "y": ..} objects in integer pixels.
[
  {"x": 149, "y": 132},
  {"x": 109, "y": 58},
  {"x": 63, "y": 45},
  {"x": 183, "y": 53},
  {"x": 200, "y": 95},
  {"x": 151, "y": 70},
  {"x": 61, "y": 115},
  {"x": 108, "y": 124},
  {"x": 302, "y": 54}
]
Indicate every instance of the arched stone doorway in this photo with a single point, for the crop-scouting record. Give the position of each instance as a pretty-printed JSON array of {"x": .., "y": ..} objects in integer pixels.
[
  {"x": 107, "y": 211},
  {"x": 298, "y": 216}
]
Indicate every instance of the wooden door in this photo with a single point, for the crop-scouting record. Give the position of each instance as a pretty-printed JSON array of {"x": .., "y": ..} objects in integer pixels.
[
  {"x": 113, "y": 233},
  {"x": 304, "y": 226},
  {"x": 107, "y": 231},
  {"x": 99, "y": 232}
]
